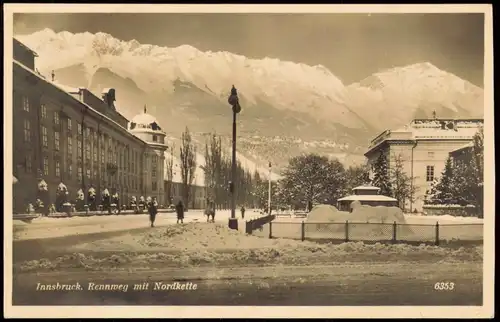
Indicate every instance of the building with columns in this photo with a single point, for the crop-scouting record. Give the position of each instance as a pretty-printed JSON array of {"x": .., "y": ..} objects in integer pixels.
[
  {"x": 70, "y": 135},
  {"x": 423, "y": 145}
]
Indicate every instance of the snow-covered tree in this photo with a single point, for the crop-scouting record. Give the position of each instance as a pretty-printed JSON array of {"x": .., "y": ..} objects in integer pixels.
[
  {"x": 91, "y": 197},
  {"x": 443, "y": 190},
  {"x": 462, "y": 179},
  {"x": 80, "y": 200},
  {"x": 357, "y": 175},
  {"x": 259, "y": 191},
  {"x": 61, "y": 196},
  {"x": 467, "y": 183},
  {"x": 313, "y": 179},
  {"x": 478, "y": 150},
  {"x": 381, "y": 175}
]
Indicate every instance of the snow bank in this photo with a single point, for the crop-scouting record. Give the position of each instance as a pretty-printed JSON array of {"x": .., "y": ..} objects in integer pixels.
[
  {"x": 360, "y": 214},
  {"x": 195, "y": 235},
  {"x": 324, "y": 215},
  {"x": 298, "y": 254}
]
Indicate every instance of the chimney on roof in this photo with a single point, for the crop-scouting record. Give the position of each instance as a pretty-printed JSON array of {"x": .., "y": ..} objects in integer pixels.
[{"x": 109, "y": 97}]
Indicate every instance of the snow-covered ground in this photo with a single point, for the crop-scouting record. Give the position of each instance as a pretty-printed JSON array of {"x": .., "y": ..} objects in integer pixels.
[
  {"x": 129, "y": 254},
  {"x": 451, "y": 227},
  {"x": 191, "y": 236},
  {"x": 443, "y": 220},
  {"x": 416, "y": 220},
  {"x": 417, "y": 228},
  {"x": 58, "y": 227},
  {"x": 198, "y": 243}
]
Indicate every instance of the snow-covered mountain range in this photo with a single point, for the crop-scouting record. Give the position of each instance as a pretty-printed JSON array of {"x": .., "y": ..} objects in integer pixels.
[{"x": 188, "y": 87}]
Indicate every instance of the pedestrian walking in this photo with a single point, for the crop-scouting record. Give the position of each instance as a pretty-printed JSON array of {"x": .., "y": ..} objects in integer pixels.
[
  {"x": 242, "y": 212},
  {"x": 153, "y": 210},
  {"x": 179, "y": 208},
  {"x": 210, "y": 211}
]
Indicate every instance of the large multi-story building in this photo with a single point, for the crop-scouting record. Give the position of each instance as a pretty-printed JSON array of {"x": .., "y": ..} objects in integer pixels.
[
  {"x": 423, "y": 146},
  {"x": 70, "y": 135}
]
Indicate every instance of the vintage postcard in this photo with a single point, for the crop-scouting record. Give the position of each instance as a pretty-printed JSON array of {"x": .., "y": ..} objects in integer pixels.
[{"x": 248, "y": 161}]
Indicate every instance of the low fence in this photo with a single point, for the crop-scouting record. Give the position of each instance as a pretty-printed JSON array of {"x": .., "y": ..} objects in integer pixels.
[
  {"x": 258, "y": 223},
  {"x": 375, "y": 232}
]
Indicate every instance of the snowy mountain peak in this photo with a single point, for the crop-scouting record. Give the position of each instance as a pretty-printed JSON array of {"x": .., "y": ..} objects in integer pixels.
[
  {"x": 282, "y": 92},
  {"x": 424, "y": 67}
]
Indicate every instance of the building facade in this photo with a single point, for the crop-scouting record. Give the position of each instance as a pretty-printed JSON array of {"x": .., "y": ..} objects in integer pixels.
[
  {"x": 174, "y": 193},
  {"x": 423, "y": 147},
  {"x": 70, "y": 135}
]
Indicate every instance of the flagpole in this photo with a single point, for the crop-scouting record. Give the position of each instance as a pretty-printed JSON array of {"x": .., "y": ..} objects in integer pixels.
[{"x": 269, "y": 191}]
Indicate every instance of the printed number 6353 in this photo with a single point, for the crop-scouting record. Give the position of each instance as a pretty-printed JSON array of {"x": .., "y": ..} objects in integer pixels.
[{"x": 444, "y": 286}]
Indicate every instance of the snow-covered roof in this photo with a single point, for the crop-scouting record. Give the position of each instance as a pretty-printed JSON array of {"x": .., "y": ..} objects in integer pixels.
[
  {"x": 438, "y": 133},
  {"x": 466, "y": 146},
  {"x": 144, "y": 119},
  {"x": 366, "y": 188},
  {"x": 109, "y": 120},
  {"x": 66, "y": 88},
  {"x": 26, "y": 47},
  {"x": 367, "y": 198},
  {"x": 432, "y": 129}
]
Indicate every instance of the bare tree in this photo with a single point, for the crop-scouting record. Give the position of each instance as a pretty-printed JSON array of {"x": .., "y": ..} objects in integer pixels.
[
  {"x": 211, "y": 167},
  {"x": 188, "y": 164},
  {"x": 170, "y": 173},
  {"x": 401, "y": 184}
]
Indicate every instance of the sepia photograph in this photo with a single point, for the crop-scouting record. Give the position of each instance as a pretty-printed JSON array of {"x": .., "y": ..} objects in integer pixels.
[{"x": 217, "y": 157}]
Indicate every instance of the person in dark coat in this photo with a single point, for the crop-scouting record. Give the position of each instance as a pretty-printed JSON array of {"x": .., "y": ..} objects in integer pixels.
[
  {"x": 179, "y": 208},
  {"x": 210, "y": 211},
  {"x": 242, "y": 212},
  {"x": 153, "y": 210}
]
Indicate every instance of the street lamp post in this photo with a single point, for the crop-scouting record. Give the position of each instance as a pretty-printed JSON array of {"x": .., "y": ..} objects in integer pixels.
[
  {"x": 269, "y": 192},
  {"x": 234, "y": 102}
]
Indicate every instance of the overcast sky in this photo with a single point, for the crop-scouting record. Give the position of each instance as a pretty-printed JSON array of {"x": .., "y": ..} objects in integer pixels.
[{"x": 352, "y": 46}]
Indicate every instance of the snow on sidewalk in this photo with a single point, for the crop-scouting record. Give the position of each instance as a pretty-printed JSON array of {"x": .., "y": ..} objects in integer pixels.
[{"x": 59, "y": 227}]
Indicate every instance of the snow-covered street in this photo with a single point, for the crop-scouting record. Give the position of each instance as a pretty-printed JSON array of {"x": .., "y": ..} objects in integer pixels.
[
  {"x": 58, "y": 227},
  {"x": 286, "y": 227}
]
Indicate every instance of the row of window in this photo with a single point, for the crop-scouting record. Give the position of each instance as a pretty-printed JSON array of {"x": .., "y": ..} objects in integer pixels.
[
  {"x": 117, "y": 155},
  {"x": 88, "y": 135},
  {"x": 69, "y": 172},
  {"x": 124, "y": 157},
  {"x": 133, "y": 181}
]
